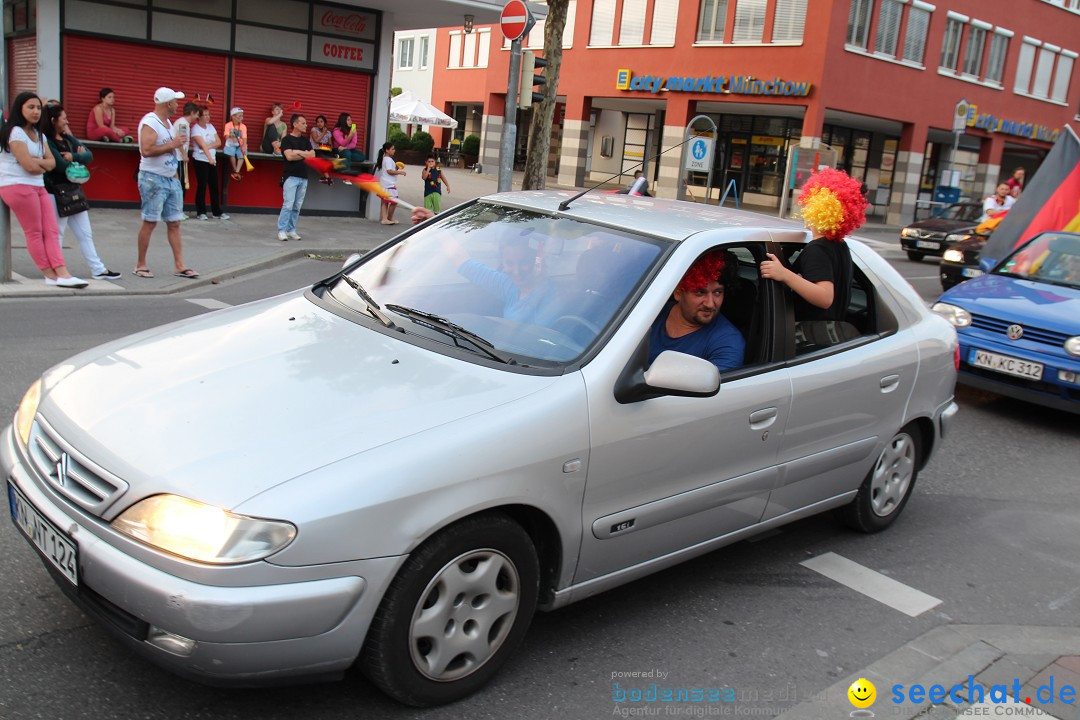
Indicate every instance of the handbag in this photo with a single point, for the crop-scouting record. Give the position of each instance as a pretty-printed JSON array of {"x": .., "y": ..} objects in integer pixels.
[{"x": 70, "y": 199}]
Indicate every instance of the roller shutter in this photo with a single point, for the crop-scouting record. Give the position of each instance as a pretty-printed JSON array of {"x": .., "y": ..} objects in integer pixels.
[
  {"x": 134, "y": 71},
  {"x": 321, "y": 91},
  {"x": 22, "y": 65}
]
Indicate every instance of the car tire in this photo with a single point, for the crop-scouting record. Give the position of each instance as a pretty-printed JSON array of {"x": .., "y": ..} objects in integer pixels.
[
  {"x": 915, "y": 256},
  {"x": 887, "y": 487},
  {"x": 459, "y": 606}
]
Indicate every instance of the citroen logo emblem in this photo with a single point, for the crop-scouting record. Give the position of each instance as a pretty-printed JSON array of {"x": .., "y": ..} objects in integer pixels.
[
  {"x": 62, "y": 467},
  {"x": 1014, "y": 332}
]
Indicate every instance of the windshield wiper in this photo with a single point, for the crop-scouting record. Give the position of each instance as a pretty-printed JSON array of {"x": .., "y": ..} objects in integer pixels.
[
  {"x": 437, "y": 322},
  {"x": 372, "y": 306}
]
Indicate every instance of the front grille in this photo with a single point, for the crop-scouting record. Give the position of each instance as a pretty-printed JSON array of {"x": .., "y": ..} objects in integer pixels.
[
  {"x": 70, "y": 474},
  {"x": 1047, "y": 337}
]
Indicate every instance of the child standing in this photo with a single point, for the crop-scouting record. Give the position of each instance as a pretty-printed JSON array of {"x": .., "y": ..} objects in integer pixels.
[
  {"x": 433, "y": 176},
  {"x": 387, "y": 173},
  {"x": 236, "y": 141}
]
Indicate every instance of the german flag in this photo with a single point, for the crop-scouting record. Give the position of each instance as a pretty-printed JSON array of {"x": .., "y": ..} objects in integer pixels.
[{"x": 1050, "y": 201}]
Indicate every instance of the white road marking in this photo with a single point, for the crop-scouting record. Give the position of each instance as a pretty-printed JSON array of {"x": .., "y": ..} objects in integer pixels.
[
  {"x": 209, "y": 303},
  {"x": 873, "y": 584}
]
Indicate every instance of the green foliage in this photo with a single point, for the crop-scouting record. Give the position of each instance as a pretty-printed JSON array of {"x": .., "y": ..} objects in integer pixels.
[
  {"x": 422, "y": 142},
  {"x": 395, "y": 91},
  {"x": 401, "y": 140},
  {"x": 470, "y": 145}
]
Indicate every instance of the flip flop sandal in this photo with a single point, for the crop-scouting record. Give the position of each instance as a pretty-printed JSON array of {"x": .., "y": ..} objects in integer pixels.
[
  {"x": 142, "y": 272},
  {"x": 187, "y": 273}
]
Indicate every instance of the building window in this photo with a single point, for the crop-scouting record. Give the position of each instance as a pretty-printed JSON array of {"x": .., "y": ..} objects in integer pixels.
[
  {"x": 858, "y": 26},
  {"x": 664, "y": 18},
  {"x": 973, "y": 53},
  {"x": 713, "y": 20},
  {"x": 1044, "y": 71},
  {"x": 632, "y": 24},
  {"x": 789, "y": 20},
  {"x": 1062, "y": 76},
  {"x": 888, "y": 27},
  {"x": 455, "y": 50},
  {"x": 1024, "y": 64},
  {"x": 603, "y": 23},
  {"x": 950, "y": 45},
  {"x": 405, "y": 52},
  {"x": 915, "y": 37},
  {"x": 423, "y": 54},
  {"x": 995, "y": 64},
  {"x": 749, "y": 21}
]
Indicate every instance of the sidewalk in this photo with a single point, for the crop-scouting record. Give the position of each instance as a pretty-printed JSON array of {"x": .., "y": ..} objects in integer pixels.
[
  {"x": 223, "y": 249},
  {"x": 972, "y": 656}
]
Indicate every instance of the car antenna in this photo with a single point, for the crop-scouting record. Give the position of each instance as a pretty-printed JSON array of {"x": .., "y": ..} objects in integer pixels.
[{"x": 565, "y": 204}]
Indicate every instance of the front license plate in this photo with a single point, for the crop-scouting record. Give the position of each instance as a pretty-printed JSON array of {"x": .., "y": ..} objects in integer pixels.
[
  {"x": 971, "y": 272},
  {"x": 927, "y": 245},
  {"x": 1006, "y": 364},
  {"x": 56, "y": 546}
]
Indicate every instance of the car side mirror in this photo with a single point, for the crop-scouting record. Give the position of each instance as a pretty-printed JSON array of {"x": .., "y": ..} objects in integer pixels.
[
  {"x": 987, "y": 264},
  {"x": 682, "y": 374}
]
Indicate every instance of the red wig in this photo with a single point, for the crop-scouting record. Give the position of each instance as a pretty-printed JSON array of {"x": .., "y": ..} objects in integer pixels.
[
  {"x": 706, "y": 269},
  {"x": 833, "y": 204}
]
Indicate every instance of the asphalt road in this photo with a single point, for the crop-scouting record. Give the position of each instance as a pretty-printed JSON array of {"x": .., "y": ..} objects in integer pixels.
[{"x": 992, "y": 530}]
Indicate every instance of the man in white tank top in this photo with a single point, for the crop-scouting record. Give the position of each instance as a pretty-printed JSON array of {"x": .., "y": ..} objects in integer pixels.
[{"x": 159, "y": 186}]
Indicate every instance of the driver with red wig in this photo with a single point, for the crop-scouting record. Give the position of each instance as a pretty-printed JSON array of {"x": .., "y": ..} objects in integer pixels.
[
  {"x": 833, "y": 206},
  {"x": 691, "y": 323}
]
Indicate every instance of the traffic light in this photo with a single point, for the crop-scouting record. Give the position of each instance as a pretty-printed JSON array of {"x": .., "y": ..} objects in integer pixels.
[{"x": 529, "y": 65}]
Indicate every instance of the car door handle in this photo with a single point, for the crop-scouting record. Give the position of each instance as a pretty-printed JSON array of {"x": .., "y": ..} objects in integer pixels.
[
  {"x": 890, "y": 383},
  {"x": 761, "y": 419}
]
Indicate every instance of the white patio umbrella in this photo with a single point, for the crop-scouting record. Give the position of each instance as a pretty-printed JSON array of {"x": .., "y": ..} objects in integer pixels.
[{"x": 411, "y": 110}]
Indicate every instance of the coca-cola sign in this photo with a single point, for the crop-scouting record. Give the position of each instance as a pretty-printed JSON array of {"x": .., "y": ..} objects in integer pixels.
[{"x": 341, "y": 21}]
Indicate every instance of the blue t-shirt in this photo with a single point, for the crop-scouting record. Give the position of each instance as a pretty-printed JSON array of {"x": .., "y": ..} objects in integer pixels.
[
  {"x": 535, "y": 308},
  {"x": 719, "y": 342},
  {"x": 431, "y": 184}
]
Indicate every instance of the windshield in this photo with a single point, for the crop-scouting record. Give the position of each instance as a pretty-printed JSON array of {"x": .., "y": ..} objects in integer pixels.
[
  {"x": 962, "y": 211},
  {"x": 1050, "y": 257},
  {"x": 537, "y": 288}
]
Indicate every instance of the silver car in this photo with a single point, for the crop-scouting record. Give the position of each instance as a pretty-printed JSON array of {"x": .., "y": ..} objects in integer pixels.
[{"x": 396, "y": 467}]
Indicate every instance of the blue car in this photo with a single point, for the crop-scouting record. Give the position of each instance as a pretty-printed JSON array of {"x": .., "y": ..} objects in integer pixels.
[{"x": 1019, "y": 324}]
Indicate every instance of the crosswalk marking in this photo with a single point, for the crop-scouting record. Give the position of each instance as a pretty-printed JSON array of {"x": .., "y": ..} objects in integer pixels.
[
  {"x": 873, "y": 584},
  {"x": 209, "y": 303}
]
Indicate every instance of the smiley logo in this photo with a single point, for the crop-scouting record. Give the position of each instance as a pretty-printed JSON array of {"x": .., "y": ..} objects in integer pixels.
[{"x": 862, "y": 693}]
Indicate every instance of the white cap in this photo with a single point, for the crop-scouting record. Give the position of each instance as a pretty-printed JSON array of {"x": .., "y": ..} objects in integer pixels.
[
  {"x": 236, "y": 111},
  {"x": 164, "y": 95}
]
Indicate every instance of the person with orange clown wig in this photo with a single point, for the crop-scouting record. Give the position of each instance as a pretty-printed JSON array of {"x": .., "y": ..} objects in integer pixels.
[{"x": 833, "y": 206}]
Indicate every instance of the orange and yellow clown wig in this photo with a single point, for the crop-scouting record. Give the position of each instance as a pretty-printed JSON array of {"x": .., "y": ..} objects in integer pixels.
[{"x": 832, "y": 203}]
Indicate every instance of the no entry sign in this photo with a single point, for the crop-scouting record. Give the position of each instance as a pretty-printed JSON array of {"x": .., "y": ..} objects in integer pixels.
[{"x": 516, "y": 19}]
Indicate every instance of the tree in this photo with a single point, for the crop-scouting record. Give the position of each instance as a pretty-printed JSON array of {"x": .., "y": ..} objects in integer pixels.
[{"x": 536, "y": 160}]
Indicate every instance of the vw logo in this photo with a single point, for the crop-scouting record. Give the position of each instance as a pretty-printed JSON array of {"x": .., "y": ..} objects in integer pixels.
[
  {"x": 1014, "y": 332},
  {"x": 62, "y": 467}
]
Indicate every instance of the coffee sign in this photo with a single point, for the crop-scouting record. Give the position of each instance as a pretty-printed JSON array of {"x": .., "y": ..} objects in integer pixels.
[{"x": 344, "y": 21}]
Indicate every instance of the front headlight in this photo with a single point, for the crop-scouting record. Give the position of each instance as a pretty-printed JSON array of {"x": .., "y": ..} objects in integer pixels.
[
  {"x": 202, "y": 532},
  {"x": 24, "y": 416},
  {"x": 909, "y": 232},
  {"x": 957, "y": 237},
  {"x": 958, "y": 316},
  {"x": 1072, "y": 345},
  {"x": 955, "y": 256}
]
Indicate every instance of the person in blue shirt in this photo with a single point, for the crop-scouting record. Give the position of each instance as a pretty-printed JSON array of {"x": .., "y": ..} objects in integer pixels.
[{"x": 691, "y": 323}]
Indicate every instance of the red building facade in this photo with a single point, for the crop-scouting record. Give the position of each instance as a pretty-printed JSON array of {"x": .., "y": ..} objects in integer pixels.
[{"x": 877, "y": 80}]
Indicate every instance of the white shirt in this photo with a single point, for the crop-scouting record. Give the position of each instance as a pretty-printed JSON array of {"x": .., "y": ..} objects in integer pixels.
[
  {"x": 164, "y": 164},
  {"x": 209, "y": 136},
  {"x": 387, "y": 180},
  {"x": 991, "y": 204},
  {"x": 11, "y": 172}
]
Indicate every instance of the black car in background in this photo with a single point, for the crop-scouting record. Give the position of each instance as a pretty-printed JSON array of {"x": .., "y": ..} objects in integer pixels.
[
  {"x": 961, "y": 261},
  {"x": 932, "y": 235}
]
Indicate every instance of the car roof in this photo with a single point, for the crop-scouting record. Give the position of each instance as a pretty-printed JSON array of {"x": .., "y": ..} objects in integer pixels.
[{"x": 669, "y": 219}]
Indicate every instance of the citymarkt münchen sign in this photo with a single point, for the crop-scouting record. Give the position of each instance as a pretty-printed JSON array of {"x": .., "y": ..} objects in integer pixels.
[{"x": 719, "y": 84}]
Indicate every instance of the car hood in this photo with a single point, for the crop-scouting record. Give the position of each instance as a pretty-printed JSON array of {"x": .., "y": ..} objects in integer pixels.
[
  {"x": 1051, "y": 307},
  {"x": 226, "y": 405},
  {"x": 942, "y": 225}
]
